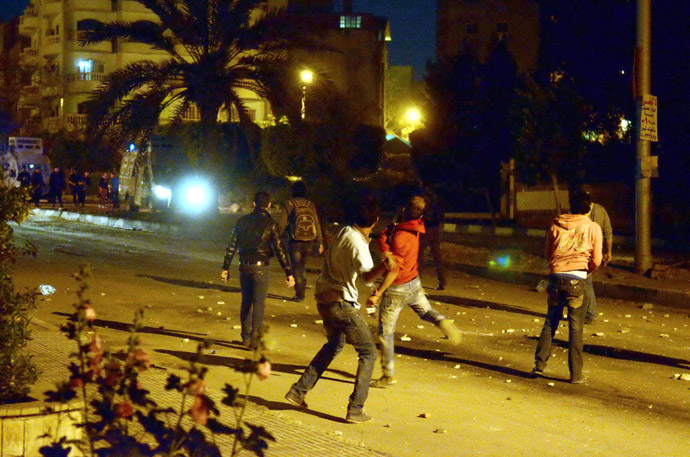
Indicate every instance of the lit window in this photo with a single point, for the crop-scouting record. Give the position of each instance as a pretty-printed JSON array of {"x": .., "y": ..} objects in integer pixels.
[
  {"x": 471, "y": 28},
  {"x": 350, "y": 22},
  {"x": 85, "y": 66},
  {"x": 502, "y": 27}
]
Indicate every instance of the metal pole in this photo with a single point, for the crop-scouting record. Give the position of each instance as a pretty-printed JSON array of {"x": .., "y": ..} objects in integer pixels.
[
  {"x": 643, "y": 255},
  {"x": 304, "y": 100}
]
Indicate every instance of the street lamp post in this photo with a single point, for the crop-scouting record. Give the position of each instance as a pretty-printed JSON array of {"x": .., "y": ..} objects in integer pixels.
[{"x": 306, "y": 76}]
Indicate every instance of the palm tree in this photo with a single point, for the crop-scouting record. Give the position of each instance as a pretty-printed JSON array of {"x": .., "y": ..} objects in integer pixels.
[{"x": 214, "y": 49}]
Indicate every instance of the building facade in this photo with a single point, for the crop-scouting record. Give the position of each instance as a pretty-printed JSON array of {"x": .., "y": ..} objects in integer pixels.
[
  {"x": 475, "y": 26},
  {"x": 65, "y": 72}
]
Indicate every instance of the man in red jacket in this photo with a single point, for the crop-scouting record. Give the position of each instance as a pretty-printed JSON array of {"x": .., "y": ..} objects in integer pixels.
[
  {"x": 401, "y": 287},
  {"x": 573, "y": 250}
]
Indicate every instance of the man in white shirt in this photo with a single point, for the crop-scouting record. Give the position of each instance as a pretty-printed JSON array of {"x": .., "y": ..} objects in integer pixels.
[{"x": 347, "y": 257}]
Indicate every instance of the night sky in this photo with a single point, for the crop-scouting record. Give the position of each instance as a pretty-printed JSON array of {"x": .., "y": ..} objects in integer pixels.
[{"x": 412, "y": 26}]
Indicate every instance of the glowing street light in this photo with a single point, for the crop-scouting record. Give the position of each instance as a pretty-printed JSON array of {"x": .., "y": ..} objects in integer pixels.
[
  {"x": 307, "y": 77},
  {"x": 413, "y": 115}
]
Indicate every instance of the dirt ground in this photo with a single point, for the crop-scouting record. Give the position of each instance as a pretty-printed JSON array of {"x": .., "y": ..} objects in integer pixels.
[{"x": 476, "y": 398}]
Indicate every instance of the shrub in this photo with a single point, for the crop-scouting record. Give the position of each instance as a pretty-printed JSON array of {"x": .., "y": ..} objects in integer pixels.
[
  {"x": 121, "y": 418},
  {"x": 17, "y": 372}
]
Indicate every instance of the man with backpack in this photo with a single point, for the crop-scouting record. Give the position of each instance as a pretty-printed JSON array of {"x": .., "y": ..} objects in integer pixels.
[{"x": 304, "y": 233}]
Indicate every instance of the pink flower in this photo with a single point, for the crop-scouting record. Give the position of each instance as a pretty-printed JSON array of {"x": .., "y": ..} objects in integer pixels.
[
  {"x": 196, "y": 387},
  {"x": 96, "y": 346},
  {"x": 139, "y": 359},
  {"x": 113, "y": 373},
  {"x": 89, "y": 313},
  {"x": 200, "y": 410},
  {"x": 124, "y": 410},
  {"x": 263, "y": 370},
  {"x": 76, "y": 382}
]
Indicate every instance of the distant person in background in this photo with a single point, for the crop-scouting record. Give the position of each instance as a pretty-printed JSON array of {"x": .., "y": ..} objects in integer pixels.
[
  {"x": 24, "y": 178},
  {"x": 598, "y": 214},
  {"x": 76, "y": 182},
  {"x": 56, "y": 184},
  {"x": 304, "y": 234},
  {"x": 37, "y": 184},
  {"x": 103, "y": 190},
  {"x": 87, "y": 183},
  {"x": 433, "y": 218},
  {"x": 573, "y": 251},
  {"x": 115, "y": 190}
]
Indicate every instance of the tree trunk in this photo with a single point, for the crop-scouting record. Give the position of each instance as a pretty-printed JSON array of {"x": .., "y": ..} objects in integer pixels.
[{"x": 554, "y": 180}]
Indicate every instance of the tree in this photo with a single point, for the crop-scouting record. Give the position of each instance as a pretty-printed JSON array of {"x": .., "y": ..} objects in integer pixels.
[
  {"x": 215, "y": 49},
  {"x": 550, "y": 120}
]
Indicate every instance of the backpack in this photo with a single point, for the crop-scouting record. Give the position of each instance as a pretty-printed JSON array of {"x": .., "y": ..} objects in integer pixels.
[{"x": 303, "y": 220}]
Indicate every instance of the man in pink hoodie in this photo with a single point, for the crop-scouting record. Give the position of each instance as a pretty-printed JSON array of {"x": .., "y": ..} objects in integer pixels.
[{"x": 573, "y": 250}]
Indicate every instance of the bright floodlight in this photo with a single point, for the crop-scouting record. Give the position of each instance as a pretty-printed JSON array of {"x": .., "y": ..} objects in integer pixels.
[
  {"x": 306, "y": 76},
  {"x": 197, "y": 195},
  {"x": 413, "y": 115},
  {"x": 161, "y": 192}
]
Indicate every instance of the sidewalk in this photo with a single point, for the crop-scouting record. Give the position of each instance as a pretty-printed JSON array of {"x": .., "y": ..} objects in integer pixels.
[
  {"x": 466, "y": 248},
  {"x": 51, "y": 349}
]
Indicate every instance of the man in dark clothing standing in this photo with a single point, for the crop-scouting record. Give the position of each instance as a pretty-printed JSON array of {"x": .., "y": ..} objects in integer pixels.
[
  {"x": 115, "y": 190},
  {"x": 37, "y": 184},
  {"x": 24, "y": 178},
  {"x": 433, "y": 218},
  {"x": 76, "y": 182},
  {"x": 299, "y": 216},
  {"x": 255, "y": 238},
  {"x": 56, "y": 184}
]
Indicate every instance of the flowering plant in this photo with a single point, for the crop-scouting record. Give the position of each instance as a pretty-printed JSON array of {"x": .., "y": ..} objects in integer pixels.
[{"x": 121, "y": 419}]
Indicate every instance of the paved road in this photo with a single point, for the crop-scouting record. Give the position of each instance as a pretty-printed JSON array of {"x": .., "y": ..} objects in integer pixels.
[{"x": 477, "y": 397}]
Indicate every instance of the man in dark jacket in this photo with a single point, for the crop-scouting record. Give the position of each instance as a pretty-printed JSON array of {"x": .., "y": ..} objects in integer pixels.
[
  {"x": 255, "y": 238},
  {"x": 304, "y": 233},
  {"x": 37, "y": 184},
  {"x": 24, "y": 178},
  {"x": 433, "y": 218},
  {"x": 56, "y": 184}
]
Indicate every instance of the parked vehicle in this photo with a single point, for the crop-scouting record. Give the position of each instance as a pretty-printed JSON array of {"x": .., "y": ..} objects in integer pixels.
[
  {"x": 160, "y": 177},
  {"x": 23, "y": 153}
]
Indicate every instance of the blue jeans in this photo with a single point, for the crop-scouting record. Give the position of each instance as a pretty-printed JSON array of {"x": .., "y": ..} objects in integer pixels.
[
  {"x": 254, "y": 285},
  {"x": 343, "y": 323},
  {"x": 394, "y": 299},
  {"x": 299, "y": 251},
  {"x": 564, "y": 292},
  {"x": 590, "y": 301}
]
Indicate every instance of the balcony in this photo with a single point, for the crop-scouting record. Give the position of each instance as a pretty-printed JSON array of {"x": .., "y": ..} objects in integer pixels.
[
  {"x": 85, "y": 82},
  {"x": 28, "y": 55},
  {"x": 52, "y": 45},
  {"x": 30, "y": 96},
  {"x": 28, "y": 23},
  {"x": 69, "y": 122},
  {"x": 104, "y": 46}
]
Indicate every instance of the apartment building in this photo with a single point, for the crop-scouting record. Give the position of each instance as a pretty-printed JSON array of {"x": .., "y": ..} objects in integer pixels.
[
  {"x": 475, "y": 26},
  {"x": 65, "y": 72}
]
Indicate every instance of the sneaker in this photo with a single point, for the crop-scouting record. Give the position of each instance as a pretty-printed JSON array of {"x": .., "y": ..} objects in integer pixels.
[
  {"x": 383, "y": 382},
  {"x": 451, "y": 331},
  {"x": 294, "y": 399},
  {"x": 581, "y": 380},
  {"x": 358, "y": 418},
  {"x": 441, "y": 287},
  {"x": 536, "y": 372}
]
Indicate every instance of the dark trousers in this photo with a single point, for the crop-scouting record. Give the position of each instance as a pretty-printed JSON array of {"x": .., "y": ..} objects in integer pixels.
[
  {"x": 343, "y": 323},
  {"x": 55, "y": 194},
  {"x": 564, "y": 292},
  {"x": 254, "y": 285},
  {"x": 299, "y": 252},
  {"x": 116, "y": 199},
  {"x": 36, "y": 195},
  {"x": 432, "y": 238}
]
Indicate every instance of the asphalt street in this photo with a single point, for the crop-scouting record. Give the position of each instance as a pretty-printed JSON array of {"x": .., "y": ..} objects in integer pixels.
[{"x": 474, "y": 399}]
